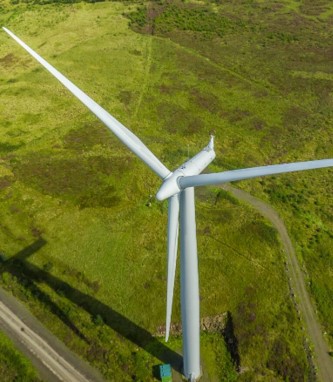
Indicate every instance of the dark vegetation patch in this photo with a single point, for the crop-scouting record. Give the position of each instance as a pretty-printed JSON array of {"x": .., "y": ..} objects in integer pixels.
[
  {"x": 209, "y": 74},
  {"x": 8, "y": 60},
  {"x": 86, "y": 182},
  {"x": 166, "y": 16},
  {"x": 6, "y": 147},
  {"x": 212, "y": 215},
  {"x": 5, "y": 182},
  {"x": 136, "y": 52},
  {"x": 31, "y": 118},
  {"x": 177, "y": 119},
  {"x": 249, "y": 327},
  {"x": 45, "y": 2},
  {"x": 289, "y": 196},
  {"x": 88, "y": 136},
  {"x": 261, "y": 231},
  {"x": 206, "y": 101},
  {"x": 282, "y": 361},
  {"x": 323, "y": 292},
  {"x": 281, "y": 36},
  {"x": 295, "y": 116},
  {"x": 246, "y": 324},
  {"x": 314, "y": 8},
  {"x": 238, "y": 115},
  {"x": 125, "y": 97},
  {"x": 179, "y": 155},
  {"x": 257, "y": 124},
  {"x": 174, "y": 83},
  {"x": 165, "y": 89},
  {"x": 195, "y": 125}
]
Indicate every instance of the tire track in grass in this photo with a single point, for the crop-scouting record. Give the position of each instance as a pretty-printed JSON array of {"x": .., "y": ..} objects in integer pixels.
[
  {"x": 297, "y": 283},
  {"x": 265, "y": 86},
  {"x": 144, "y": 85},
  {"x": 222, "y": 68}
]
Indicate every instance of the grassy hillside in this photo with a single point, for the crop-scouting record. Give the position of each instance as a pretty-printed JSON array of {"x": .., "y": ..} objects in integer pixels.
[{"x": 84, "y": 240}]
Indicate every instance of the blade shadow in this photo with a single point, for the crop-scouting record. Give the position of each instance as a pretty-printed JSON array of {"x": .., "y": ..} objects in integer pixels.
[{"x": 19, "y": 266}]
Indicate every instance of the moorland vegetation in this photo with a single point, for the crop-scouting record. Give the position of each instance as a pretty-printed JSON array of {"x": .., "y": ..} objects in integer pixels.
[{"x": 82, "y": 238}]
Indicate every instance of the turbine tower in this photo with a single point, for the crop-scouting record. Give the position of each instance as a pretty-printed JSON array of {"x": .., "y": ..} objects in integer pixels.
[{"x": 178, "y": 187}]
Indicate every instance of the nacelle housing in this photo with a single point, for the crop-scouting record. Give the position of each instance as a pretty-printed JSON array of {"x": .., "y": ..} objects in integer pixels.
[{"x": 194, "y": 166}]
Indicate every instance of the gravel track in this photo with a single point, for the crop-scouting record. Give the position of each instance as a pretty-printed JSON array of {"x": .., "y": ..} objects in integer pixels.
[
  {"x": 53, "y": 360},
  {"x": 320, "y": 348}
]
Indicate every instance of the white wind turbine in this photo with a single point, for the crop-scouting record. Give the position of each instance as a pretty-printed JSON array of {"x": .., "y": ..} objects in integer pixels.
[{"x": 178, "y": 188}]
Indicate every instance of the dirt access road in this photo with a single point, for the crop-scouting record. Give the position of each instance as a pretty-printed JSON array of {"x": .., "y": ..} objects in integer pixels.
[
  {"x": 321, "y": 351},
  {"x": 51, "y": 358}
]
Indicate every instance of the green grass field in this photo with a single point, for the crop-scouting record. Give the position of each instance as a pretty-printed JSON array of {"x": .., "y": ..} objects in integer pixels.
[
  {"x": 13, "y": 365},
  {"x": 86, "y": 252}
]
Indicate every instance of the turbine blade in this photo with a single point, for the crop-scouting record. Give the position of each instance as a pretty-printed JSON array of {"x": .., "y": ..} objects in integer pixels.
[
  {"x": 125, "y": 135},
  {"x": 173, "y": 229},
  {"x": 246, "y": 173}
]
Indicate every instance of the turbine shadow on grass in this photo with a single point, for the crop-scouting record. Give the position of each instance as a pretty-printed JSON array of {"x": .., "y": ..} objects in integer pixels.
[
  {"x": 22, "y": 270},
  {"x": 27, "y": 273},
  {"x": 231, "y": 341}
]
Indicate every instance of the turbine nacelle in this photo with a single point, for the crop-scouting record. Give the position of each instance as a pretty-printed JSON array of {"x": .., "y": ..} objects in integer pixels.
[{"x": 194, "y": 166}]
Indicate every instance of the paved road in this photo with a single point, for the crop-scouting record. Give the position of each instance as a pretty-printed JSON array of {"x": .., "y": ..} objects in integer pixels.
[
  {"x": 51, "y": 358},
  {"x": 321, "y": 351}
]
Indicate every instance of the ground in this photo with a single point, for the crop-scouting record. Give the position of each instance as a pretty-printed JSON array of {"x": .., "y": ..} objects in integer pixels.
[{"x": 75, "y": 204}]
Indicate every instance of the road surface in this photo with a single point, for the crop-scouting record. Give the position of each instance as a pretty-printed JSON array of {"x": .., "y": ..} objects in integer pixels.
[
  {"x": 51, "y": 358},
  {"x": 321, "y": 351}
]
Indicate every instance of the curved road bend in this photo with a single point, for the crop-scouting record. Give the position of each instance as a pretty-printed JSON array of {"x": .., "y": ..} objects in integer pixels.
[
  {"x": 51, "y": 358},
  {"x": 321, "y": 350}
]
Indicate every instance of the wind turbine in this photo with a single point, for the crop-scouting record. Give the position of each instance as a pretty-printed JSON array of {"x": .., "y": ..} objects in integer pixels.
[{"x": 178, "y": 188}]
